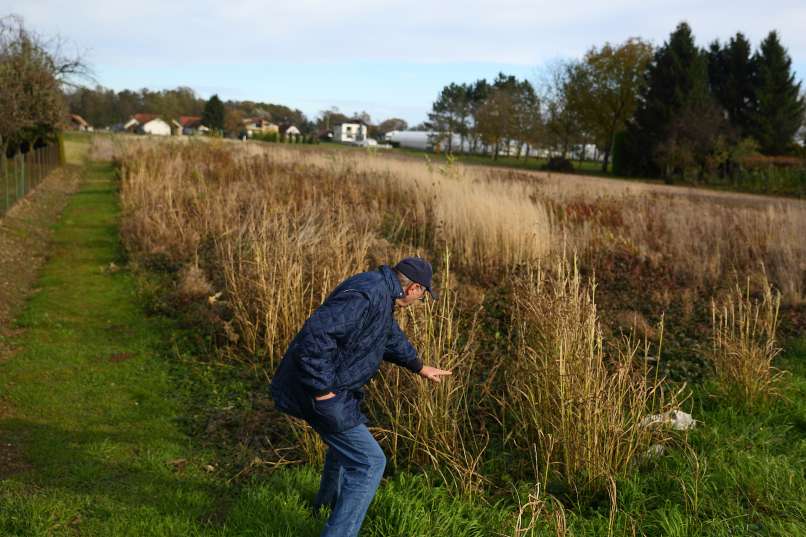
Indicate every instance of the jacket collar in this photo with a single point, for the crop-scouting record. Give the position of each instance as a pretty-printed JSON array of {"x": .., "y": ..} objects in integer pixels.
[{"x": 391, "y": 281}]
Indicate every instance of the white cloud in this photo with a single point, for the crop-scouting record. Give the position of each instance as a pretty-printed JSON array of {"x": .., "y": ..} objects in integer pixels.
[
  {"x": 505, "y": 31},
  {"x": 309, "y": 53}
]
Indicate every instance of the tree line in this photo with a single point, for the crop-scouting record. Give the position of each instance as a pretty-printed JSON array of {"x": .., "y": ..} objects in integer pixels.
[
  {"x": 676, "y": 111},
  {"x": 104, "y": 107}
]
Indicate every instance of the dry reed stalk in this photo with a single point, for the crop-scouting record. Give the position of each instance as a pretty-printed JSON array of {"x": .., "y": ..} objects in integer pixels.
[
  {"x": 744, "y": 343},
  {"x": 582, "y": 411},
  {"x": 540, "y": 506},
  {"x": 430, "y": 424},
  {"x": 309, "y": 441},
  {"x": 278, "y": 268}
]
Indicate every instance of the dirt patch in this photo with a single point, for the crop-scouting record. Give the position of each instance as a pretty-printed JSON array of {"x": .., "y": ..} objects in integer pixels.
[
  {"x": 25, "y": 236},
  {"x": 120, "y": 357}
]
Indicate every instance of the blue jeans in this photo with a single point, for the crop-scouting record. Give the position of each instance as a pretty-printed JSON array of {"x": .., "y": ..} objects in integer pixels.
[{"x": 354, "y": 467}]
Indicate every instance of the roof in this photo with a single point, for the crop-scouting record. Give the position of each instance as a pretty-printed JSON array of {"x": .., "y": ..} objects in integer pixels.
[
  {"x": 145, "y": 118},
  {"x": 190, "y": 122},
  {"x": 351, "y": 122},
  {"x": 80, "y": 120}
]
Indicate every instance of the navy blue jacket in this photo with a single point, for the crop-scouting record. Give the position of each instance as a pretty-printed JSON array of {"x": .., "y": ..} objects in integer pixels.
[{"x": 340, "y": 349}]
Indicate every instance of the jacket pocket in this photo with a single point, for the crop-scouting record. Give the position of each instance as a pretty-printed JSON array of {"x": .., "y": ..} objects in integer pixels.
[{"x": 331, "y": 413}]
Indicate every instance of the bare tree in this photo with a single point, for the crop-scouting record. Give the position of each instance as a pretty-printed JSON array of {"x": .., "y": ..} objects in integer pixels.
[
  {"x": 33, "y": 74},
  {"x": 563, "y": 126}
]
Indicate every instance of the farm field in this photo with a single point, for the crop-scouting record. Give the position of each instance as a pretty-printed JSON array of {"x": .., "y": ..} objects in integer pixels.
[{"x": 572, "y": 309}]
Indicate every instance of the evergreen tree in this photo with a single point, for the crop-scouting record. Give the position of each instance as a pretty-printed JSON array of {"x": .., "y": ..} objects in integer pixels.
[
  {"x": 214, "y": 115},
  {"x": 677, "y": 77},
  {"x": 478, "y": 93},
  {"x": 780, "y": 109},
  {"x": 450, "y": 112},
  {"x": 732, "y": 75}
]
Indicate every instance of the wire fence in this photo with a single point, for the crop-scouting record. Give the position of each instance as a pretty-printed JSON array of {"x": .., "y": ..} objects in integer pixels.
[{"x": 24, "y": 171}]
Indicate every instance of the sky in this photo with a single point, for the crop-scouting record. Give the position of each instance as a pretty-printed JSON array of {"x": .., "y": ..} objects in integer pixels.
[{"x": 389, "y": 58}]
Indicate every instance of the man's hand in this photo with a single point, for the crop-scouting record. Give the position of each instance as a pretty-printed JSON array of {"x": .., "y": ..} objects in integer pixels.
[
  {"x": 432, "y": 373},
  {"x": 325, "y": 397}
]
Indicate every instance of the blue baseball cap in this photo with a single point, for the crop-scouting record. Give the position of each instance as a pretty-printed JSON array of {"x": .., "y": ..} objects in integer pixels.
[{"x": 417, "y": 270}]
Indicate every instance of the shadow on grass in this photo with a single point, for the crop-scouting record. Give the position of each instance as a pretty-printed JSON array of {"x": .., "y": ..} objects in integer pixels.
[{"x": 113, "y": 475}]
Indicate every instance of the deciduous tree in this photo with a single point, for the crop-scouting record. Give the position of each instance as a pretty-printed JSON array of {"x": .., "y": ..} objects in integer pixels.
[{"x": 604, "y": 89}]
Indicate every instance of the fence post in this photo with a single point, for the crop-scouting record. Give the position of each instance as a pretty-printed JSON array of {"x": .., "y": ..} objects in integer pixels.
[
  {"x": 25, "y": 168},
  {"x": 37, "y": 155},
  {"x": 4, "y": 162},
  {"x": 17, "y": 179},
  {"x": 62, "y": 153}
]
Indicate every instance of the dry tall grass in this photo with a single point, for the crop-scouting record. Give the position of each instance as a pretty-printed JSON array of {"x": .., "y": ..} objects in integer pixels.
[
  {"x": 583, "y": 411},
  {"x": 744, "y": 343},
  {"x": 274, "y": 228},
  {"x": 432, "y": 424},
  {"x": 280, "y": 266}
]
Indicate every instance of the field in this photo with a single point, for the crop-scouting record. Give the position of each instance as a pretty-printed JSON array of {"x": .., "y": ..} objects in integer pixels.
[{"x": 573, "y": 310}]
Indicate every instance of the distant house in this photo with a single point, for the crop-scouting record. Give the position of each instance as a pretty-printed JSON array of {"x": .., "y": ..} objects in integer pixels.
[
  {"x": 192, "y": 125},
  {"x": 347, "y": 133},
  {"x": 258, "y": 125},
  {"x": 77, "y": 123},
  {"x": 148, "y": 124},
  {"x": 290, "y": 130}
]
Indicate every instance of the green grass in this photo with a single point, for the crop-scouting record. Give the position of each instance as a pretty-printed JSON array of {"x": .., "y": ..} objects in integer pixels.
[{"x": 99, "y": 433}]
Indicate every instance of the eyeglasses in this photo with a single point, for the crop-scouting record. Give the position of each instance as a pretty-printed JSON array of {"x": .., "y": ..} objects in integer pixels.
[{"x": 422, "y": 296}]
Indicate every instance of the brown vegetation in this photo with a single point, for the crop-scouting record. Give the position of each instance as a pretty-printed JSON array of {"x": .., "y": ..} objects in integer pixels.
[
  {"x": 539, "y": 365},
  {"x": 745, "y": 343}
]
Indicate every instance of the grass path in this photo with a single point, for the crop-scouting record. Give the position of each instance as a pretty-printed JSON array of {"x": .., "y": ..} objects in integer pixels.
[{"x": 90, "y": 404}]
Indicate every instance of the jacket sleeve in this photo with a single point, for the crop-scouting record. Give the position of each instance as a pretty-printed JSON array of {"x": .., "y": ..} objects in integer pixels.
[
  {"x": 400, "y": 351},
  {"x": 323, "y": 332}
]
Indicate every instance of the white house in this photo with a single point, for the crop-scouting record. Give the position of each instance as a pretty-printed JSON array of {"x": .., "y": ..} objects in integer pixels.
[
  {"x": 349, "y": 132},
  {"x": 148, "y": 124}
]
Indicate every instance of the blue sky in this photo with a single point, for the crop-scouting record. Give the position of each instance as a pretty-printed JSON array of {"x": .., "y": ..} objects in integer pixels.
[{"x": 389, "y": 58}]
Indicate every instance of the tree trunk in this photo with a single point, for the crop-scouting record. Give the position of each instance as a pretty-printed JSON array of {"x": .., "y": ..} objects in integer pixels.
[{"x": 606, "y": 160}]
